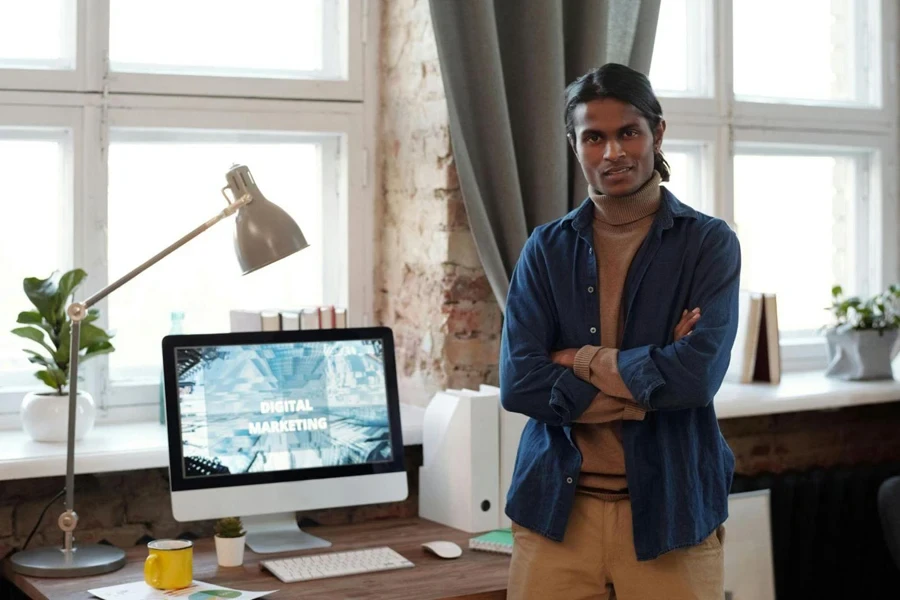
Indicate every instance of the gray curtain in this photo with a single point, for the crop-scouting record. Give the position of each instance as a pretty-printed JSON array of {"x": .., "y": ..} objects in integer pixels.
[{"x": 505, "y": 64}]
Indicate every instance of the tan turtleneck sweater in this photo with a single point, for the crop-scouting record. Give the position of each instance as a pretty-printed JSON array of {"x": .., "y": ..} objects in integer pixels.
[{"x": 620, "y": 226}]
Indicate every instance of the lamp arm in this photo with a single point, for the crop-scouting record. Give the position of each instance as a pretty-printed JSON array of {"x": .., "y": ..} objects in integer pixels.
[
  {"x": 226, "y": 212},
  {"x": 77, "y": 311}
]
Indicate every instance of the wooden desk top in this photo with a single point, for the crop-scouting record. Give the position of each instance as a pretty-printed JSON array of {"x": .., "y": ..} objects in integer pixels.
[{"x": 474, "y": 575}]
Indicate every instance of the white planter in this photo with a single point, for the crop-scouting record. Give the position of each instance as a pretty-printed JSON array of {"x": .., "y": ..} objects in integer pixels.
[
  {"x": 45, "y": 416},
  {"x": 860, "y": 355},
  {"x": 230, "y": 551}
]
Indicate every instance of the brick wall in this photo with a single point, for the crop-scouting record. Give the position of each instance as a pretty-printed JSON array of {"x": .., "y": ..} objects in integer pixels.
[
  {"x": 432, "y": 290},
  {"x": 799, "y": 441}
]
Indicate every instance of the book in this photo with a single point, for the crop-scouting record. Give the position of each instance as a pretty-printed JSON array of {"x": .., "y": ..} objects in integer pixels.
[
  {"x": 326, "y": 317},
  {"x": 499, "y": 540},
  {"x": 756, "y": 354},
  {"x": 340, "y": 318},
  {"x": 290, "y": 320},
  {"x": 245, "y": 320},
  {"x": 271, "y": 320},
  {"x": 309, "y": 318},
  {"x": 768, "y": 352}
]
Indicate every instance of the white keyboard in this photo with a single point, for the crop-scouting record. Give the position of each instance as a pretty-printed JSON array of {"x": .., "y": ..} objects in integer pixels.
[{"x": 335, "y": 564}]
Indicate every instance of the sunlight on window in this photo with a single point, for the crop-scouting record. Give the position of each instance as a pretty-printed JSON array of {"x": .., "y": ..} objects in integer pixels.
[
  {"x": 37, "y": 238},
  {"x": 820, "y": 63},
  {"x": 37, "y": 34},
  {"x": 161, "y": 189},
  {"x": 792, "y": 215},
  {"x": 685, "y": 164},
  {"x": 265, "y": 38},
  {"x": 669, "y": 67}
]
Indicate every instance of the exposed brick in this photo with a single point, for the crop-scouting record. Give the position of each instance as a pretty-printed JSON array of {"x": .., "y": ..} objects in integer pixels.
[
  {"x": 28, "y": 512},
  {"x": 123, "y": 536}
]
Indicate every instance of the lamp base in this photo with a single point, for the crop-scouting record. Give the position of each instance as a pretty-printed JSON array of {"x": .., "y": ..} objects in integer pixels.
[{"x": 92, "y": 559}]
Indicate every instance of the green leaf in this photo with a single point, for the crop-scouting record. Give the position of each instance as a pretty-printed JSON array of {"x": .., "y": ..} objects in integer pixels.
[
  {"x": 837, "y": 291},
  {"x": 97, "y": 349},
  {"x": 62, "y": 354},
  {"x": 67, "y": 284},
  {"x": 30, "y": 317},
  {"x": 33, "y": 334},
  {"x": 91, "y": 335},
  {"x": 39, "y": 359},
  {"x": 92, "y": 315},
  {"x": 42, "y": 293},
  {"x": 52, "y": 378}
]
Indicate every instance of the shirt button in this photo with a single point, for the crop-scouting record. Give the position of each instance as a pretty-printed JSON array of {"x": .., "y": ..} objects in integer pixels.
[
  {"x": 590, "y": 289},
  {"x": 590, "y": 250},
  {"x": 593, "y": 330},
  {"x": 568, "y": 480}
]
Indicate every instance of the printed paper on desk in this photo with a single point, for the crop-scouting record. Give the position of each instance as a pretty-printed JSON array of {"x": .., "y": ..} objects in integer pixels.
[{"x": 199, "y": 590}]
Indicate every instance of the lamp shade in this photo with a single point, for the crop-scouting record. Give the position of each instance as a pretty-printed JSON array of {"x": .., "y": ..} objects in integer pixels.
[{"x": 263, "y": 232}]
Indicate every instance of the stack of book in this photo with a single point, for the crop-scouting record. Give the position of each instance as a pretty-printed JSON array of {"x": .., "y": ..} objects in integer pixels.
[{"x": 311, "y": 317}]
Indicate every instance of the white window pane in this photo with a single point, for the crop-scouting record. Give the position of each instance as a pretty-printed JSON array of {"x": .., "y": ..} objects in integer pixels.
[
  {"x": 794, "y": 217},
  {"x": 685, "y": 164},
  {"x": 162, "y": 184},
  {"x": 680, "y": 64},
  {"x": 825, "y": 60},
  {"x": 37, "y": 34},
  {"x": 230, "y": 38},
  {"x": 36, "y": 237}
]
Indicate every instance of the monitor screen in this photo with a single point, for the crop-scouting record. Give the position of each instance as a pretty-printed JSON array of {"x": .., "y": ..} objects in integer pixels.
[{"x": 272, "y": 406}]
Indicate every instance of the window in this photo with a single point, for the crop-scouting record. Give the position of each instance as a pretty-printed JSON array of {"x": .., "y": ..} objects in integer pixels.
[
  {"x": 788, "y": 143},
  {"x": 134, "y": 155},
  {"x": 38, "y": 35},
  {"x": 40, "y": 192}
]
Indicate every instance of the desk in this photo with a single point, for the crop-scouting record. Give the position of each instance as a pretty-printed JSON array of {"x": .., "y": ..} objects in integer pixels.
[{"x": 474, "y": 576}]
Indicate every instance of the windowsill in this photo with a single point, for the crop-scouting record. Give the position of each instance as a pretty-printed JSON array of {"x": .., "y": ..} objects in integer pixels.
[
  {"x": 131, "y": 446},
  {"x": 799, "y": 392},
  {"x": 122, "y": 447}
]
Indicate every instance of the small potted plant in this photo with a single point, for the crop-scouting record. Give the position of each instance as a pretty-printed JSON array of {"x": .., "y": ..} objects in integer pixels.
[
  {"x": 45, "y": 415},
  {"x": 230, "y": 536},
  {"x": 863, "y": 339}
]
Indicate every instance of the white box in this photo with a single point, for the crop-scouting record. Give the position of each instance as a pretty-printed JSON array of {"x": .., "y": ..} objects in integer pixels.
[{"x": 461, "y": 467}]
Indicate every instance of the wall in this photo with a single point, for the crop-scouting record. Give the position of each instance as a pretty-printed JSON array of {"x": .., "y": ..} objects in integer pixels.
[{"x": 432, "y": 290}]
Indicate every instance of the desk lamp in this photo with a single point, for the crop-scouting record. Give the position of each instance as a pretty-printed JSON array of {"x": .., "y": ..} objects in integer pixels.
[{"x": 264, "y": 233}]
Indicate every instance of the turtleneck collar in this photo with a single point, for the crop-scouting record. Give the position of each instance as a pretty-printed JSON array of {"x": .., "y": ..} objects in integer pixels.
[{"x": 622, "y": 210}]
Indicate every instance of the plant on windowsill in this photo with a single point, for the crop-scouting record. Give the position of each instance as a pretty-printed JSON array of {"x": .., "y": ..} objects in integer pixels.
[
  {"x": 862, "y": 342},
  {"x": 230, "y": 536},
  {"x": 45, "y": 414}
]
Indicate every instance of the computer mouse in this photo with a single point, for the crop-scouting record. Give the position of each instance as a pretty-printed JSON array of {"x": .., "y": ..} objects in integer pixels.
[{"x": 443, "y": 549}]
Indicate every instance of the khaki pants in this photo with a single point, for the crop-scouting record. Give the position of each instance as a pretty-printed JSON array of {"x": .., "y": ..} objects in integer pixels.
[{"x": 596, "y": 560}]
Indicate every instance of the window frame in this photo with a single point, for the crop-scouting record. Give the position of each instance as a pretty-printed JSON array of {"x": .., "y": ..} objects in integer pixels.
[
  {"x": 88, "y": 100},
  {"x": 724, "y": 122}
]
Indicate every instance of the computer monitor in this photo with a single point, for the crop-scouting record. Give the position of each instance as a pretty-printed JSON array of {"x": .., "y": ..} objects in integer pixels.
[{"x": 264, "y": 424}]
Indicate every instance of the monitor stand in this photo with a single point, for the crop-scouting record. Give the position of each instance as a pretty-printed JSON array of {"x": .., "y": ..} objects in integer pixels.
[{"x": 279, "y": 533}]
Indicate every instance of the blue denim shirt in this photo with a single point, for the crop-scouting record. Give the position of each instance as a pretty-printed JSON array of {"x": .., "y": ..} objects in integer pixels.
[{"x": 678, "y": 466}]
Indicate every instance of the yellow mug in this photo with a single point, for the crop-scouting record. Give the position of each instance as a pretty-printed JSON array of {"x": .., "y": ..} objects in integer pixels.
[{"x": 170, "y": 564}]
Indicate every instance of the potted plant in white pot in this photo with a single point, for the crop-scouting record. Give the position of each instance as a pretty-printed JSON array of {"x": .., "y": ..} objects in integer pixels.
[
  {"x": 230, "y": 536},
  {"x": 45, "y": 414},
  {"x": 863, "y": 340}
]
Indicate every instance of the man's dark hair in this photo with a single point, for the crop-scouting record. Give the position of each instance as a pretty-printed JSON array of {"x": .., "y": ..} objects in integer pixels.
[{"x": 624, "y": 84}]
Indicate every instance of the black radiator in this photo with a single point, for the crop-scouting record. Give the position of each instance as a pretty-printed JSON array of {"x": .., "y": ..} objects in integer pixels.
[{"x": 826, "y": 533}]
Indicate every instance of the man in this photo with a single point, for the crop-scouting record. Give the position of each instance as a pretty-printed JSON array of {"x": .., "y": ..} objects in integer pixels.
[{"x": 622, "y": 478}]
